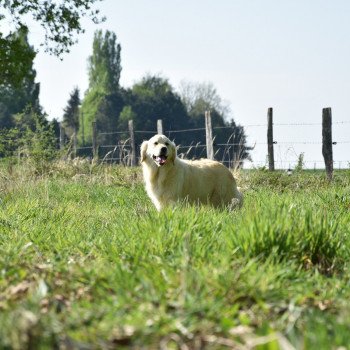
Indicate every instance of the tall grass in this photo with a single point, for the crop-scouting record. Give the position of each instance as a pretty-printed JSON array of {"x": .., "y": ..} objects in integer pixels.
[{"x": 87, "y": 262}]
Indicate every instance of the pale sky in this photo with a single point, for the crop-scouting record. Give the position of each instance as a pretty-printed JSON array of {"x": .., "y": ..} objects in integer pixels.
[{"x": 292, "y": 55}]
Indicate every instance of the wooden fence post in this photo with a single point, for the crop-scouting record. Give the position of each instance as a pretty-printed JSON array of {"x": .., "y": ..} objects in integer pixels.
[
  {"x": 160, "y": 127},
  {"x": 270, "y": 139},
  {"x": 132, "y": 143},
  {"x": 209, "y": 135},
  {"x": 62, "y": 136},
  {"x": 327, "y": 144},
  {"x": 94, "y": 141}
]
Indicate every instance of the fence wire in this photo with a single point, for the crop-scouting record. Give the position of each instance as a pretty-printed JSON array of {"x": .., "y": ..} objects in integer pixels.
[{"x": 122, "y": 150}]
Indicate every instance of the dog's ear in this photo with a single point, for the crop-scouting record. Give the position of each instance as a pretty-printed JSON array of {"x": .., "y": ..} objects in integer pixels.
[
  {"x": 173, "y": 153},
  {"x": 143, "y": 150}
]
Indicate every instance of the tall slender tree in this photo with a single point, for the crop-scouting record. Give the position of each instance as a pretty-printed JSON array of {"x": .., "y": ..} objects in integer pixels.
[
  {"x": 105, "y": 62},
  {"x": 71, "y": 113},
  {"x": 104, "y": 99}
]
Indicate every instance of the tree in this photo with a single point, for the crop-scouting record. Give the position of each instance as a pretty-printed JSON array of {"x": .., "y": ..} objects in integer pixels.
[
  {"x": 71, "y": 113},
  {"x": 105, "y": 62},
  {"x": 23, "y": 96},
  {"x": 55, "y": 126},
  {"x": 16, "y": 58},
  {"x": 61, "y": 21},
  {"x": 201, "y": 97},
  {"x": 32, "y": 136},
  {"x": 154, "y": 98},
  {"x": 24, "y": 125},
  {"x": 40, "y": 143},
  {"x": 237, "y": 151},
  {"x": 109, "y": 108},
  {"x": 125, "y": 115},
  {"x": 104, "y": 99}
]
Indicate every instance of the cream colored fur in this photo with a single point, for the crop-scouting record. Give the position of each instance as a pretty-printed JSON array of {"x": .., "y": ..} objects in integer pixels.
[{"x": 195, "y": 181}]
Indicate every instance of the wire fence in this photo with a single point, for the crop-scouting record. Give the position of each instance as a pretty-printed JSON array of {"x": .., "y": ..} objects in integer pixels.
[{"x": 293, "y": 148}]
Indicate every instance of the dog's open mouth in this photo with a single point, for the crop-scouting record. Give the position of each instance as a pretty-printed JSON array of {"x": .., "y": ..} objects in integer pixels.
[{"x": 161, "y": 160}]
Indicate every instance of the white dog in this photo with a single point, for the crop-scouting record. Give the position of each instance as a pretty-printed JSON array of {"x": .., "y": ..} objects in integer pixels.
[{"x": 169, "y": 179}]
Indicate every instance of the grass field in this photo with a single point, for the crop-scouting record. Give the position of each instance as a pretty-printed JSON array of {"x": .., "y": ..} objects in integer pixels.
[{"x": 87, "y": 263}]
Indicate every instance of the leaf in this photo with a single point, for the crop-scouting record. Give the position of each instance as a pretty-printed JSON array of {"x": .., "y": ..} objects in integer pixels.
[{"x": 21, "y": 288}]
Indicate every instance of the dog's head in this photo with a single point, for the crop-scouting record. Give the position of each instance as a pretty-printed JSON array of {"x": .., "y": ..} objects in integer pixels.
[{"x": 158, "y": 149}]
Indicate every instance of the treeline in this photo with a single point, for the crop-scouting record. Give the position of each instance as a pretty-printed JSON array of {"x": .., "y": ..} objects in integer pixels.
[
  {"x": 111, "y": 106},
  {"x": 24, "y": 128}
]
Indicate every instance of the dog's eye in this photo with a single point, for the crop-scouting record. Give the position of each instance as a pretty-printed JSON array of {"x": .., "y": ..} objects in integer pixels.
[
  {"x": 166, "y": 143},
  {"x": 156, "y": 143}
]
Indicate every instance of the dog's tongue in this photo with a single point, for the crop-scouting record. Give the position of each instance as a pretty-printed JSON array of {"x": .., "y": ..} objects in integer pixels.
[{"x": 161, "y": 160}]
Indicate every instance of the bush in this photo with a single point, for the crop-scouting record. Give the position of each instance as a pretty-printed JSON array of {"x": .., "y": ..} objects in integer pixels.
[
  {"x": 40, "y": 144},
  {"x": 34, "y": 140}
]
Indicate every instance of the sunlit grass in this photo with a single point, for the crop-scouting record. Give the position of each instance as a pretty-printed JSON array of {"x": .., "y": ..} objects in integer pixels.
[{"x": 86, "y": 261}]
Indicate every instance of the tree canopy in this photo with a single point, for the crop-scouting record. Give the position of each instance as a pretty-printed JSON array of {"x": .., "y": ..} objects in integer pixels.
[
  {"x": 104, "y": 99},
  {"x": 16, "y": 58},
  {"x": 154, "y": 98},
  {"x": 105, "y": 62},
  {"x": 199, "y": 97},
  {"x": 61, "y": 21},
  {"x": 23, "y": 96}
]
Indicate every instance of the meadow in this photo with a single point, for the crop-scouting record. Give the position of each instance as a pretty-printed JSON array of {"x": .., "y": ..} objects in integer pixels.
[{"x": 86, "y": 262}]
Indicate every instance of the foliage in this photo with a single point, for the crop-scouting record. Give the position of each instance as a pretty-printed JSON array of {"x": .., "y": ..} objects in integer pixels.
[
  {"x": 105, "y": 63},
  {"x": 60, "y": 19},
  {"x": 103, "y": 109},
  {"x": 88, "y": 112},
  {"x": 25, "y": 94},
  {"x": 71, "y": 113},
  {"x": 238, "y": 149},
  {"x": 87, "y": 262},
  {"x": 25, "y": 129},
  {"x": 125, "y": 115},
  {"x": 104, "y": 99},
  {"x": 16, "y": 59},
  {"x": 40, "y": 144},
  {"x": 27, "y": 119},
  {"x": 9, "y": 142},
  {"x": 34, "y": 139},
  {"x": 154, "y": 98},
  {"x": 199, "y": 97},
  {"x": 55, "y": 126},
  {"x": 109, "y": 108}
]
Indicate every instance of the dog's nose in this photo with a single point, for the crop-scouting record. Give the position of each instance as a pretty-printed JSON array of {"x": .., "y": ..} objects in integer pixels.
[{"x": 163, "y": 149}]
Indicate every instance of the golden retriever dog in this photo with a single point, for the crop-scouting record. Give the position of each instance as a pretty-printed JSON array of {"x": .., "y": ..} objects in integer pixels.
[{"x": 169, "y": 179}]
